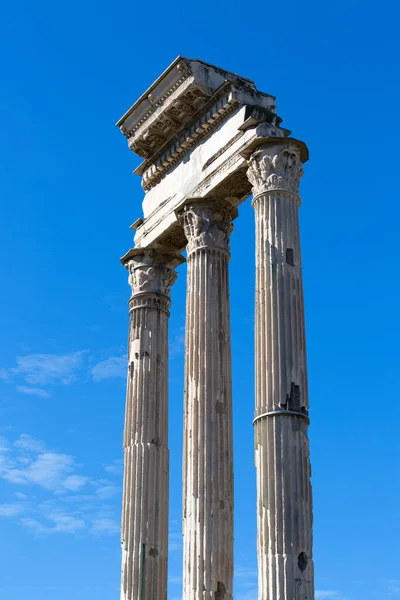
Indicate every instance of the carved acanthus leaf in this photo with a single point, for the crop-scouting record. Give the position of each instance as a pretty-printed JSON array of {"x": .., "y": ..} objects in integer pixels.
[
  {"x": 149, "y": 274},
  {"x": 207, "y": 225},
  {"x": 273, "y": 168}
]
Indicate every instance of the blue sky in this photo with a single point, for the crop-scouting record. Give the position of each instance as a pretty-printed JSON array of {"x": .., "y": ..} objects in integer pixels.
[{"x": 69, "y": 71}]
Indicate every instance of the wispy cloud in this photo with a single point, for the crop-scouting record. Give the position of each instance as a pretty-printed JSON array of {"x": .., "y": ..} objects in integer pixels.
[
  {"x": 112, "y": 367},
  {"x": 393, "y": 588},
  {"x": 27, "y": 443},
  {"x": 10, "y": 510},
  {"x": 116, "y": 467},
  {"x": 107, "y": 491},
  {"x": 5, "y": 375},
  {"x": 20, "y": 496},
  {"x": 75, "y": 482},
  {"x": 246, "y": 582},
  {"x": 55, "y": 523},
  {"x": 48, "y": 470},
  {"x": 105, "y": 526},
  {"x": 65, "y": 501},
  {"x": 23, "y": 389},
  {"x": 34, "y": 374},
  {"x": 43, "y": 370},
  {"x": 329, "y": 594}
]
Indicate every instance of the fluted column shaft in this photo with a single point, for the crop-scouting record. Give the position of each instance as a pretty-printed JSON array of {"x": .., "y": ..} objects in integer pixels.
[
  {"x": 146, "y": 469},
  {"x": 282, "y": 460},
  {"x": 208, "y": 452}
]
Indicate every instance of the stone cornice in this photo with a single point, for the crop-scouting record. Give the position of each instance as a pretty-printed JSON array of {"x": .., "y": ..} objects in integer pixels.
[
  {"x": 215, "y": 110},
  {"x": 213, "y": 113},
  {"x": 153, "y": 103},
  {"x": 170, "y": 80},
  {"x": 145, "y": 140},
  {"x": 180, "y": 92},
  {"x": 196, "y": 127}
]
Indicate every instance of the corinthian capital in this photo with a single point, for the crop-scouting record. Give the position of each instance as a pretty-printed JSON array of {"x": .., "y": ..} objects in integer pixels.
[
  {"x": 151, "y": 272},
  {"x": 275, "y": 168},
  {"x": 207, "y": 224}
]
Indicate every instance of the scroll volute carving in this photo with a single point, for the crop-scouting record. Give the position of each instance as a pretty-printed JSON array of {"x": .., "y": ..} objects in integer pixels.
[
  {"x": 272, "y": 168},
  {"x": 148, "y": 274},
  {"x": 207, "y": 225}
]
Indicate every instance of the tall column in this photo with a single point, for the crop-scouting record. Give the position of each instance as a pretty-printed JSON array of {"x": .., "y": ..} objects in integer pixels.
[
  {"x": 145, "y": 496},
  {"x": 208, "y": 453},
  {"x": 282, "y": 459}
]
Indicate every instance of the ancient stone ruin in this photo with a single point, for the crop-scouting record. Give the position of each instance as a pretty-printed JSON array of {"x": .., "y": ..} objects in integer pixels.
[{"x": 209, "y": 139}]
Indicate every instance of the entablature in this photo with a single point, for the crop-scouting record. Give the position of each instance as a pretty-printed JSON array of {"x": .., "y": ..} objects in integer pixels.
[
  {"x": 165, "y": 109},
  {"x": 193, "y": 127}
]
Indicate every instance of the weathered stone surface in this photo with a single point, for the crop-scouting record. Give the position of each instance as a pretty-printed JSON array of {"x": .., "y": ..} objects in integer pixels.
[
  {"x": 282, "y": 460},
  {"x": 208, "y": 451},
  {"x": 146, "y": 471},
  {"x": 190, "y": 127},
  {"x": 209, "y": 139}
]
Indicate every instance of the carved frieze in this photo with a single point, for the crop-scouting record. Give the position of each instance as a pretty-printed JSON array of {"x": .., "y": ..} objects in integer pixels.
[
  {"x": 207, "y": 225},
  {"x": 275, "y": 168},
  {"x": 181, "y": 109},
  {"x": 152, "y": 137},
  {"x": 195, "y": 129},
  {"x": 169, "y": 122},
  {"x": 157, "y": 103}
]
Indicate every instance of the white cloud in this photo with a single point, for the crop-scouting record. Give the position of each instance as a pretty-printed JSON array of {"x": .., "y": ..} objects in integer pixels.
[
  {"x": 394, "y": 587},
  {"x": 105, "y": 526},
  {"x": 48, "y": 470},
  {"x": 29, "y": 444},
  {"x": 4, "y": 454},
  {"x": 329, "y": 594},
  {"x": 35, "y": 465},
  {"x": 10, "y": 510},
  {"x": 75, "y": 482},
  {"x": 112, "y": 367},
  {"x": 33, "y": 372},
  {"x": 66, "y": 500},
  {"x": 246, "y": 582},
  {"x": 20, "y": 496},
  {"x": 45, "y": 369},
  {"x": 107, "y": 491},
  {"x": 32, "y": 391},
  {"x": 5, "y": 375},
  {"x": 59, "y": 523},
  {"x": 116, "y": 467},
  {"x": 4, "y": 444}
]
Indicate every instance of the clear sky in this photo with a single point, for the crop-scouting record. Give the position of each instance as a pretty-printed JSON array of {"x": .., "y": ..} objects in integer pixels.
[{"x": 68, "y": 72}]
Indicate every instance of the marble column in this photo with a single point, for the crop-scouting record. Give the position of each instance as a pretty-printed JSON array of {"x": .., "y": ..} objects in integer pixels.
[
  {"x": 282, "y": 458},
  {"x": 145, "y": 495},
  {"x": 208, "y": 452}
]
